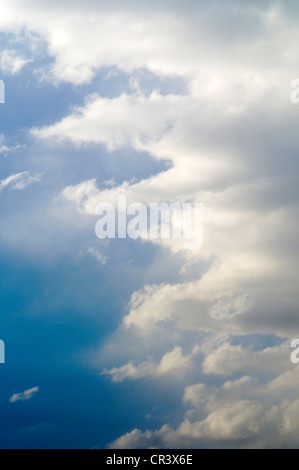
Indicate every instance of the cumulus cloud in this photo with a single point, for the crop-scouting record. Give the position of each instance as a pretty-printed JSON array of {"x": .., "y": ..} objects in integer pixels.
[
  {"x": 227, "y": 360},
  {"x": 256, "y": 421},
  {"x": 115, "y": 122},
  {"x": 26, "y": 395},
  {"x": 233, "y": 424},
  {"x": 173, "y": 362},
  {"x": 225, "y": 139},
  {"x": 125, "y": 36},
  {"x": 231, "y": 143}
]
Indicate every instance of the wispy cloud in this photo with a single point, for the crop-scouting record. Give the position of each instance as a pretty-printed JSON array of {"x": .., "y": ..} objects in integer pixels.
[
  {"x": 26, "y": 395},
  {"x": 19, "y": 180},
  {"x": 11, "y": 62},
  {"x": 98, "y": 255},
  {"x": 5, "y": 149}
]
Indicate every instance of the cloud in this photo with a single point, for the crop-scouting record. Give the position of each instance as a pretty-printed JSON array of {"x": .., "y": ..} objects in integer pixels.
[
  {"x": 26, "y": 395},
  {"x": 231, "y": 421},
  {"x": 227, "y": 140},
  {"x": 115, "y": 122},
  {"x": 19, "y": 181},
  {"x": 227, "y": 360},
  {"x": 5, "y": 149},
  {"x": 230, "y": 141},
  {"x": 12, "y": 63},
  {"x": 134, "y": 36},
  {"x": 98, "y": 255},
  {"x": 173, "y": 362}
]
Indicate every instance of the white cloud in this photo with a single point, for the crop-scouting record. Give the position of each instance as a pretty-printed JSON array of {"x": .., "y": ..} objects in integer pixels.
[
  {"x": 231, "y": 140},
  {"x": 98, "y": 255},
  {"x": 26, "y": 395},
  {"x": 134, "y": 36},
  {"x": 220, "y": 140},
  {"x": 19, "y": 180},
  {"x": 238, "y": 423},
  {"x": 173, "y": 362},
  {"x": 11, "y": 62},
  {"x": 5, "y": 149},
  {"x": 227, "y": 360},
  {"x": 248, "y": 412},
  {"x": 115, "y": 122}
]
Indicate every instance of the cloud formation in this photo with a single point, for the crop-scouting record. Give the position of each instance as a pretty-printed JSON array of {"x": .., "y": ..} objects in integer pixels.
[
  {"x": 23, "y": 396},
  {"x": 11, "y": 63},
  {"x": 19, "y": 181},
  {"x": 173, "y": 362},
  {"x": 230, "y": 139}
]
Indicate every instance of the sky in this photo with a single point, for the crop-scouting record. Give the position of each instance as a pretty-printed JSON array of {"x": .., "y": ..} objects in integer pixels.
[{"x": 125, "y": 343}]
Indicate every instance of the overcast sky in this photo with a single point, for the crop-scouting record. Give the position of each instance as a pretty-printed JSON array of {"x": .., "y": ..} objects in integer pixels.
[{"x": 136, "y": 344}]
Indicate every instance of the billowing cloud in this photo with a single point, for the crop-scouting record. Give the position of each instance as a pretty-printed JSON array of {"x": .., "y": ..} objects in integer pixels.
[
  {"x": 229, "y": 137},
  {"x": 241, "y": 413},
  {"x": 224, "y": 138},
  {"x": 115, "y": 122},
  {"x": 173, "y": 362}
]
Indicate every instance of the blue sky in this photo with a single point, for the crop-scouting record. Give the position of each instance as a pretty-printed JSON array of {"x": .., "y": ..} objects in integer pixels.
[
  {"x": 129, "y": 344},
  {"x": 56, "y": 304}
]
